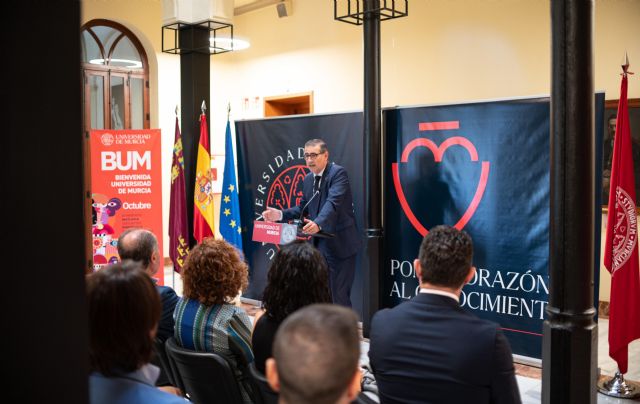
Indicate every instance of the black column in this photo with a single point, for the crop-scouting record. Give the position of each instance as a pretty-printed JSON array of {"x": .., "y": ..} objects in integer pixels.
[
  {"x": 372, "y": 262},
  {"x": 45, "y": 336},
  {"x": 570, "y": 335},
  {"x": 194, "y": 88}
]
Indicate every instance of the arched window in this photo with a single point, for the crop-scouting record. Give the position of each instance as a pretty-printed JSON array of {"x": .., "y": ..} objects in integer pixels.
[
  {"x": 116, "y": 77},
  {"x": 116, "y": 92}
]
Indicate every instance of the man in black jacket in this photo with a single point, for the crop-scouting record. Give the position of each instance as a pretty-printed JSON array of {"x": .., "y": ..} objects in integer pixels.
[{"x": 429, "y": 350}]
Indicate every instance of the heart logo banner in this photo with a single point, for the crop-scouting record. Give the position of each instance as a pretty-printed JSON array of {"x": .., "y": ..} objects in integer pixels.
[
  {"x": 482, "y": 168},
  {"x": 437, "y": 154}
]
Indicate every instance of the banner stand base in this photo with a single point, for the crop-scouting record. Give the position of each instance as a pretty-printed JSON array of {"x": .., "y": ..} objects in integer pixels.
[{"x": 618, "y": 387}]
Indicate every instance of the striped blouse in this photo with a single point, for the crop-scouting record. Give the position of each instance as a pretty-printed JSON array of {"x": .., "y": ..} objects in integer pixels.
[{"x": 223, "y": 329}]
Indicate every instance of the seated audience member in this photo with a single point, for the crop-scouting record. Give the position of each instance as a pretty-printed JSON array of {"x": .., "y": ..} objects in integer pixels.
[
  {"x": 124, "y": 309},
  {"x": 142, "y": 246},
  {"x": 206, "y": 319},
  {"x": 428, "y": 349},
  {"x": 298, "y": 277},
  {"x": 315, "y": 356}
]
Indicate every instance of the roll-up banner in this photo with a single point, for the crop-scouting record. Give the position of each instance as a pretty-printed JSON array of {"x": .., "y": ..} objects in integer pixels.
[
  {"x": 271, "y": 168},
  {"x": 126, "y": 189},
  {"x": 482, "y": 167}
]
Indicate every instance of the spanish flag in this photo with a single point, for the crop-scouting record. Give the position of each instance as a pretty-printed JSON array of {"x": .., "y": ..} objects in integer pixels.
[{"x": 203, "y": 194}]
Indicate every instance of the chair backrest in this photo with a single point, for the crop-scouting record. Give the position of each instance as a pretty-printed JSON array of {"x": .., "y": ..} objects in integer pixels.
[
  {"x": 363, "y": 398},
  {"x": 162, "y": 360},
  {"x": 205, "y": 377},
  {"x": 268, "y": 395}
]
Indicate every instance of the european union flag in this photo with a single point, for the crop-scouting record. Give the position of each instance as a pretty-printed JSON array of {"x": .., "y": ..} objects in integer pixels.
[{"x": 230, "y": 228}]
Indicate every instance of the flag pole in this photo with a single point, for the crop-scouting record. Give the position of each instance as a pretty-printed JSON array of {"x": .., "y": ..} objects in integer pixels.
[
  {"x": 203, "y": 221},
  {"x": 617, "y": 386},
  {"x": 173, "y": 266}
]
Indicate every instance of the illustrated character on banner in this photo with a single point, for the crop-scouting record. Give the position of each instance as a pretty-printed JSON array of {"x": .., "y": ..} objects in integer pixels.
[{"x": 104, "y": 245}]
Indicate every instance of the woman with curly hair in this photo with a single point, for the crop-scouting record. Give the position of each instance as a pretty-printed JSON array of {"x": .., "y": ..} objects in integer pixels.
[
  {"x": 298, "y": 277},
  {"x": 206, "y": 319}
]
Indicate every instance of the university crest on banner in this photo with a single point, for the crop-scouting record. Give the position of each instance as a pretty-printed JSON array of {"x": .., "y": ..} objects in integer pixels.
[{"x": 286, "y": 190}]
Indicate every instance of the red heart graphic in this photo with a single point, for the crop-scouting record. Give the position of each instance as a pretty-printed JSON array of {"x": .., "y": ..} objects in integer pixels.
[{"x": 438, "y": 152}]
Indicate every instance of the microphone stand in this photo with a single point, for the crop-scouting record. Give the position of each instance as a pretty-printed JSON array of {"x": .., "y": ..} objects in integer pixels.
[{"x": 300, "y": 222}]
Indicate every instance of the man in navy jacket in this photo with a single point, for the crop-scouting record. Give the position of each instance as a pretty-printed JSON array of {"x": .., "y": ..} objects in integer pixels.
[
  {"x": 428, "y": 349},
  {"x": 142, "y": 246},
  {"x": 328, "y": 204}
]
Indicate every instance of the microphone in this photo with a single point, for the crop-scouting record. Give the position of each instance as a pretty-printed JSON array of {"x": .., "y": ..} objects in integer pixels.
[{"x": 300, "y": 222}]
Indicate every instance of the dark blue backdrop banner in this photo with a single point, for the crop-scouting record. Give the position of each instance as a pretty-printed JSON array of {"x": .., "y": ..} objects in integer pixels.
[
  {"x": 484, "y": 168},
  {"x": 271, "y": 167}
]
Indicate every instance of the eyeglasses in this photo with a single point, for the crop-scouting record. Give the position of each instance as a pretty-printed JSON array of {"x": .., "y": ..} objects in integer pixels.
[{"x": 312, "y": 156}]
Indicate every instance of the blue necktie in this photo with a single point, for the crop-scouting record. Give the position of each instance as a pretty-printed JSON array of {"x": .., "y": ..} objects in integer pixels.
[{"x": 316, "y": 183}]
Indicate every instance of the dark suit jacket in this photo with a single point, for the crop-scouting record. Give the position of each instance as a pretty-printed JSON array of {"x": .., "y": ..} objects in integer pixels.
[
  {"x": 332, "y": 210},
  {"x": 429, "y": 350},
  {"x": 169, "y": 299}
]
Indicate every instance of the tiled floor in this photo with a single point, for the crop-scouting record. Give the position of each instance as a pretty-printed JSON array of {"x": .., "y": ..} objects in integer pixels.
[
  {"x": 530, "y": 387},
  {"x": 528, "y": 378}
]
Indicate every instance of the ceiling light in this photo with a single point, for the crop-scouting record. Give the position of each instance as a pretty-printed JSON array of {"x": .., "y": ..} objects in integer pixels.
[
  {"x": 134, "y": 64},
  {"x": 227, "y": 43}
]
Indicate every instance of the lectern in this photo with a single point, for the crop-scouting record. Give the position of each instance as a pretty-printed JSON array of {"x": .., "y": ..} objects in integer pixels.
[
  {"x": 274, "y": 233},
  {"x": 281, "y": 233}
]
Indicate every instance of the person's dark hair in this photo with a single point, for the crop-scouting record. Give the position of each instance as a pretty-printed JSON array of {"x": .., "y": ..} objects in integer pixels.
[
  {"x": 298, "y": 276},
  {"x": 317, "y": 142},
  {"x": 124, "y": 309},
  {"x": 137, "y": 245},
  {"x": 213, "y": 273},
  {"x": 316, "y": 350},
  {"x": 445, "y": 256}
]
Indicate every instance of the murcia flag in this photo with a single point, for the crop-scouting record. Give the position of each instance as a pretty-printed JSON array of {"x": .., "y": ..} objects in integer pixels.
[
  {"x": 178, "y": 229},
  {"x": 203, "y": 193},
  {"x": 621, "y": 248},
  {"x": 230, "y": 205}
]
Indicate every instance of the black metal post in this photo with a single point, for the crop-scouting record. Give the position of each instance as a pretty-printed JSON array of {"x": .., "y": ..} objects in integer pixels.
[
  {"x": 372, "y": 262},
  {"x": 42, "y": 188},
  {"x": 569, "y": 354},
  {"x": 194, "y": 88}
]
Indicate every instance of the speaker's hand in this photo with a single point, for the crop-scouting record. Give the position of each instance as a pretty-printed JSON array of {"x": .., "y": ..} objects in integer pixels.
[
  {"x": 310, "y": 227},
  {"x": 272, "y": 214}
]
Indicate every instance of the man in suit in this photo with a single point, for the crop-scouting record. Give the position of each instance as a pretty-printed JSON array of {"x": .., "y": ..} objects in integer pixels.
[
  {"x": 315, "y": 356},
  {"x": 428, "y": 349},
  {"x": 142, "y": 246},
  {"x": 328, "y": 204}
]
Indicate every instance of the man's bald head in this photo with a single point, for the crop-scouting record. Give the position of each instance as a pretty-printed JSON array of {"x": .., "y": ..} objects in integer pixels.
[{"x": 140, "y": 245}]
